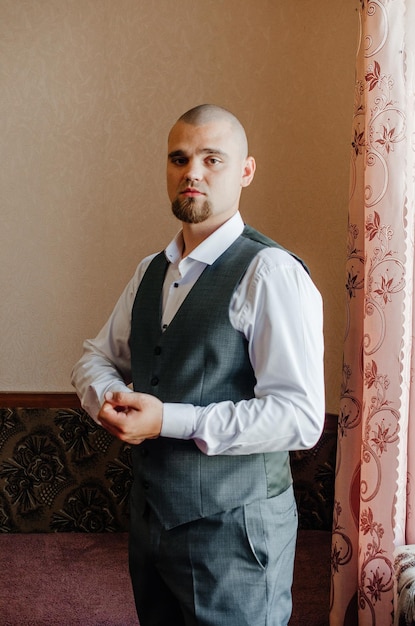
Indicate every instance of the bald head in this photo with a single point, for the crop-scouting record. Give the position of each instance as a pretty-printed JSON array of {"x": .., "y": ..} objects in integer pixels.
[{"x": 207, "y": 113}]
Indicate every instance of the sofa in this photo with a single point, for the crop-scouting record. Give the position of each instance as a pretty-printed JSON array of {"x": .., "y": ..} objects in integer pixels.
[{"x": 64, "y": 485}]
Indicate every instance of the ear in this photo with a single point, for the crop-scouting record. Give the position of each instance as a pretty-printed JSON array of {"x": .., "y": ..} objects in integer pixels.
[{"x": 248, "y": 171}]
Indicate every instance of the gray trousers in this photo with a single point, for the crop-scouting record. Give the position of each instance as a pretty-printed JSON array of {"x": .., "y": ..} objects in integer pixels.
[{"x": 231, "y": 569}]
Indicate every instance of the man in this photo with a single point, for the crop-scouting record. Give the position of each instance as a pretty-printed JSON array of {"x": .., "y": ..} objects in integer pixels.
[{"x": 221, "y": 335}]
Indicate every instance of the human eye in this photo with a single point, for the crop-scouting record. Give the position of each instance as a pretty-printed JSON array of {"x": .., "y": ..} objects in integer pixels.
[
  {"x": 178, "y": 159},
  {"x": 213, "y": 160}
]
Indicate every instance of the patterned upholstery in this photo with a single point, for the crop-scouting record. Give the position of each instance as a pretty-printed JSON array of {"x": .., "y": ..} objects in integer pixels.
[
  {"x": 404, "y": 585},
  {"x": 60, "y": 472},
  {"x": 313, "y": 474}
]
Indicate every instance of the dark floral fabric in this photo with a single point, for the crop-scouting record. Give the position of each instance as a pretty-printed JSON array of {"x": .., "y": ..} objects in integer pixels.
[
  {"x": 61, "y": 472},
  {"x": 313, "y": 474}
]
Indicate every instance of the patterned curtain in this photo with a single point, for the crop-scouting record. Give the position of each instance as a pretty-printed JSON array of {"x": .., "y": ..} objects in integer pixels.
[{"x": 375, "y": 470}]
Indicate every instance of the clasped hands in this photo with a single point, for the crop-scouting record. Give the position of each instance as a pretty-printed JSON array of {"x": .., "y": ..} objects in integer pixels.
[{"x": 131, "y": 416}]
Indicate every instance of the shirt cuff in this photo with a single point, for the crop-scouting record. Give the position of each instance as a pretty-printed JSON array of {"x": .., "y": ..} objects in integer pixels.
[
  {"x": 178, "y": 420},
  {"x": 116, "y": 386}
]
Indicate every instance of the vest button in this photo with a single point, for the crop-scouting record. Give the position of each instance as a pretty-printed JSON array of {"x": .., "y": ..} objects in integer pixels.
[
  {"x": 154, "y": 381},
  {"x": 146, "y": 485},
  {"x": 157, "y": 350}
]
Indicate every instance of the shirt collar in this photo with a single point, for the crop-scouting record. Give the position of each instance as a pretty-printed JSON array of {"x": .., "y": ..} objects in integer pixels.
[{"x": 211, "y": 248}]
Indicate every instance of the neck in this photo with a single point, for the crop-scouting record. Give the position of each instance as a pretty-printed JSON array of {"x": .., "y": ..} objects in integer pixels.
[
  {"x": 194, "y": 234},
  {"x": 192, "y": 237}
]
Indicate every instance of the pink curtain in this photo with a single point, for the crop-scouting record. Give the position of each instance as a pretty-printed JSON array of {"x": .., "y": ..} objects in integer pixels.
[{"x": 375, "y": 473}]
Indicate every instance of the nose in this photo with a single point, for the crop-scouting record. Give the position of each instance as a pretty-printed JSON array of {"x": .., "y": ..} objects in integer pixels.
[{"x": 193, "y": 171}]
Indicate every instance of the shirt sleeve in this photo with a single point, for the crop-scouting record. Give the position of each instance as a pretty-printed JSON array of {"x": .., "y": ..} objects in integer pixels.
[
  {"x": 279, "y": 310},
  {"x": 105, "y": 364}
]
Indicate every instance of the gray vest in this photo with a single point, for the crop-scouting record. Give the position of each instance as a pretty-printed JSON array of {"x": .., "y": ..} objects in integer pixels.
[{"x": 199, "y": 359}]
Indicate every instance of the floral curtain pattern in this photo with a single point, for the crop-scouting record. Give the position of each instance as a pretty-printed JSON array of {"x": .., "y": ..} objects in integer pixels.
[{"x": 374, "y": 508}]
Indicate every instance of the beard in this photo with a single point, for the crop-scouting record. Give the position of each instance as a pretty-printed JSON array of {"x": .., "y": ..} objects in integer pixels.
[{"x": 189, "y": 211}]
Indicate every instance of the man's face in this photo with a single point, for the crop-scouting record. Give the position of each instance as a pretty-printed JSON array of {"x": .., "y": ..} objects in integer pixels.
[{"x": 206, "y": 170}]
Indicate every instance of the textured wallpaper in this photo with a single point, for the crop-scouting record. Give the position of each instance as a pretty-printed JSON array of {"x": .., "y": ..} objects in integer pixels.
[{"x": 88, "y": 92}]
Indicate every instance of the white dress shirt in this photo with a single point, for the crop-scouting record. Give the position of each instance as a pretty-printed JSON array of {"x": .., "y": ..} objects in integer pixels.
[{"x": 277, "y": 308}]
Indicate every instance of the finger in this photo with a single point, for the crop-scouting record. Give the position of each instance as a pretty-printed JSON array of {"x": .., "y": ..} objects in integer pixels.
[
  {"x": 118, "y": 431},
  {"x": 121, "y": 398},
  {"x": 114, "y": 415},
  {"x": 117, "y": 401}
]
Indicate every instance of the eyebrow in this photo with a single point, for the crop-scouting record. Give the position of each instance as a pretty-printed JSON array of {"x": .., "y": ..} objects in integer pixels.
[{"x": 203, "y": 151}]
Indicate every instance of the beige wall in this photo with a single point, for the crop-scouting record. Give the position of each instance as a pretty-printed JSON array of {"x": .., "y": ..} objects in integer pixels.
[{"x": 89, "y": 90}]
